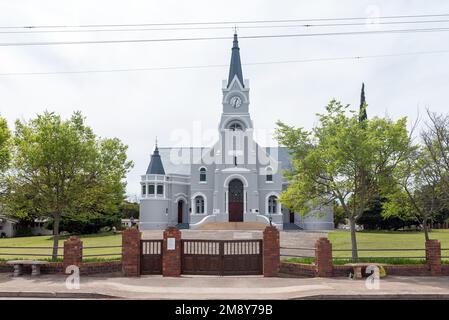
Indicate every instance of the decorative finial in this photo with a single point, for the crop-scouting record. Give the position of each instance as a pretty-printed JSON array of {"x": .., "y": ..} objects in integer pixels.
[
  {"x": 235, "y": 29},
  {"x": 156, "y": 142}
]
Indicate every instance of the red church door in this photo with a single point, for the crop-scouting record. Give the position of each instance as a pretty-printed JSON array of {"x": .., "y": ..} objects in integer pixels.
[{"x": 235, "y": 201}]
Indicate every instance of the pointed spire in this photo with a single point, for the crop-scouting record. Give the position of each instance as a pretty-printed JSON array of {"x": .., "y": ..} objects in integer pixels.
[
  {"x": 155, "y": 166},
  {"x": 235, "y": 69},
  {"x": 362, "y": 111}
]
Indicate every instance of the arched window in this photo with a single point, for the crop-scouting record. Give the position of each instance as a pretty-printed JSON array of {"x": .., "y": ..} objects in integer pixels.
[
  {"x": 269, "y": 176},
  {"x": 236, "y": 125},
  {"x": 203, "y": 174},
  {"x": 199, "y": 204},
  {"x": 272, "y": 204}
]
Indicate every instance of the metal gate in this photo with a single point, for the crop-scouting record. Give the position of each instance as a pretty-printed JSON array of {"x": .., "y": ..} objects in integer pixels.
[
  {"x": 151, "y": 256},
  {"x": 221, "y": 257}
]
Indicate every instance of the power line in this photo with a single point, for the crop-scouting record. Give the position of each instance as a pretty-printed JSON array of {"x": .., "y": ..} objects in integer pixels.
[
  {"x": 225, "y": 65},
  {"x": 227, "y": 27},
  {"x": 225, "y": 22},
  {"x": 45, "y": 43}
]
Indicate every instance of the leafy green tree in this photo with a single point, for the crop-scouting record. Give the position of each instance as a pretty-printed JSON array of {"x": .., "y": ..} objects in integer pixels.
[
  {"x": 62, "y": 169},
  {"x": 341, "y": 159},
  {"x": 373, "y": 217},
  {"x": 418, "y": 192},
  {"x": 129, "y": 210},
  {"x": 5, "y": 145}
]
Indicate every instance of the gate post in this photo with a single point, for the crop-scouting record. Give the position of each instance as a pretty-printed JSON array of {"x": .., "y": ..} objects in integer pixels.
[
  {"x": 171, "y": 253},
  {"x": 271, "y": 252},
  {"x": 73, "y": 252},
  {"x": 131, "y": 252},
  {"x": 323, "y": 257},
  {"x": 433, "y": 256}
]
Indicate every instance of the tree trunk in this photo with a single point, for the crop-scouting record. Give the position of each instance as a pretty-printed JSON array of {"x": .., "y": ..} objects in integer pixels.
[
  {"x": 426, "y": 231},
  {"x": 57, "y": 218},
  {"x": 355, "y": 255}
]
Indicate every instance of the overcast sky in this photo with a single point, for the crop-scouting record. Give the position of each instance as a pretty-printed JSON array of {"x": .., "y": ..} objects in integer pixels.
[{"x": 137, "y": 106}]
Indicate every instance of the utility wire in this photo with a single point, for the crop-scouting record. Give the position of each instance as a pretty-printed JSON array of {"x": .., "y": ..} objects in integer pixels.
[
  {"x": 225, "y": 65},
  {"x": 225, "y": 22},
  {"x": 46, "y": 43},
  {"x": 227, "y": 27}
]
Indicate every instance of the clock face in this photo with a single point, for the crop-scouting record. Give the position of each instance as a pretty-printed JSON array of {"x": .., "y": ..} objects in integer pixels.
[{"x": 236, "y": 102}]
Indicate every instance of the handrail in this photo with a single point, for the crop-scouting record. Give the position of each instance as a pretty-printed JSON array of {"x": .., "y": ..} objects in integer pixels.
[
  {"x": 102, "y": 255},
  {"x": 30, "y": 254},
  {"x": 101, "y": 247},
  {"x": 11, "y": 247},
  {"x": 390, "y": 249},
  {"x": 380, "y": 258}
]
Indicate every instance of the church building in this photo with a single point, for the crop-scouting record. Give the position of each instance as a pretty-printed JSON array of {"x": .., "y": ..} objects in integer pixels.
[{"x": 234, "y": 180}]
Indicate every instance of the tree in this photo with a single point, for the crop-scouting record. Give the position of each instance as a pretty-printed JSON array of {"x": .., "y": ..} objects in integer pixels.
[
  {"x": 373, "y": 218},
  {"x": 129, "y": 210},
  {"x": 436, "y": 144},
  {"x": 341, "y": 159},
  {"x": 423, "y": 179},
  {"x": 61, "y": 168},
  {"x": 5, "y": 145},
  {"x": 417, "y": 192}
]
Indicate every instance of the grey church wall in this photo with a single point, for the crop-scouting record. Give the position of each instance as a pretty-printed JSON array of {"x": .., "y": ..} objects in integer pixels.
[{"x": 153, "y": 214}]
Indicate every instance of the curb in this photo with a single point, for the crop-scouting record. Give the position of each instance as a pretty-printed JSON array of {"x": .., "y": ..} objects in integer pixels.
[
  {"x": 55, "y": 295},
  {"x": 407, "y": 296}
]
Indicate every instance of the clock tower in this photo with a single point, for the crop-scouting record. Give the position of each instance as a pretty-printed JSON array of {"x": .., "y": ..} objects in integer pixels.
[{"x": 235, "y": 95}]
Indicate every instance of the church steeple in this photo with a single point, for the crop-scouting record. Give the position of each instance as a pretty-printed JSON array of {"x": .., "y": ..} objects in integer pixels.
[
  {"x": 235, "y": 69},
  {"x": 155, "y": 166}
]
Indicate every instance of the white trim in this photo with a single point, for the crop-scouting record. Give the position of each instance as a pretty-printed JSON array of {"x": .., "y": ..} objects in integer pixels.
[
  {"x": 192, "y": 199},
  {"x": 167, "y": 182},
  {"x": 234, "y": 176},
  {"x": 278, "y": 205},
  {"x": 180, "y": 196}
]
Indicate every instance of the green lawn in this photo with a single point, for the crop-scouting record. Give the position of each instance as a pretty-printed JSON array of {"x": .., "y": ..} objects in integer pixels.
[
  {"x": 383, "y": 240},
  {"x": 103, "y": 239},
  {"x": 386, "y": 240}
]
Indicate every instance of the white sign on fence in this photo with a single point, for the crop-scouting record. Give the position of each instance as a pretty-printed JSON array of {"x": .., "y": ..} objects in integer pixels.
[{"x": 171, "y": 244}]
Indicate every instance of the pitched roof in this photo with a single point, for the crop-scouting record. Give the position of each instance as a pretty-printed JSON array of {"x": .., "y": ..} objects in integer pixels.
[
  {"x": 155, "y": 166},
  {"x": 235, "y": 69}
]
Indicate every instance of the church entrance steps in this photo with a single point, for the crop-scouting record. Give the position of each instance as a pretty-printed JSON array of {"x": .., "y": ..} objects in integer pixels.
[{"x": 233, "y": 226}]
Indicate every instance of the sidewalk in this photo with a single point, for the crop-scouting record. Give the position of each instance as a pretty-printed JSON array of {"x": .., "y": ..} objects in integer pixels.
[{"x": 204, "y": 287}]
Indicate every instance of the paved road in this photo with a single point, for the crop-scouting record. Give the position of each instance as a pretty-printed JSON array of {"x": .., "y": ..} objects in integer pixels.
[{"x": 248, "y": 287}]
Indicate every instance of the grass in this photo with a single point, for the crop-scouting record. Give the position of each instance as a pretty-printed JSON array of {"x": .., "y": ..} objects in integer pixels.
[
  {"x": 341, "y": 240},
  {"x": 93, "y": 240},
  {"x": 387, "y": 240}
]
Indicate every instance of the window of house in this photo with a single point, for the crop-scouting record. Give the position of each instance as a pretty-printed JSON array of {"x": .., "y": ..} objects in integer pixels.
[
  {"x": 272, "y": 204},
  {"x": 160, "y": 189},
  {"x": 151, "y": 189},
  {"x": 235, "y": 126},
  {"x": 199, "y": 204},
  {"x": 269, "y": 176},
  {"x": 203, "y": 174},
  {"x": 144, "y": 189}
]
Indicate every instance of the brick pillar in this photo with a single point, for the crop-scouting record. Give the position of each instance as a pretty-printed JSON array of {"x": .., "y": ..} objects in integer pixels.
[
  {"x": 323, "y": 257},
  {"x": 271, "y": 252},
  {"x": 131, "y": 252},
  {"x": 433, "y": 256},
  {"x": 73, "y": 252},
  {"x": 171, "y": 259}
]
